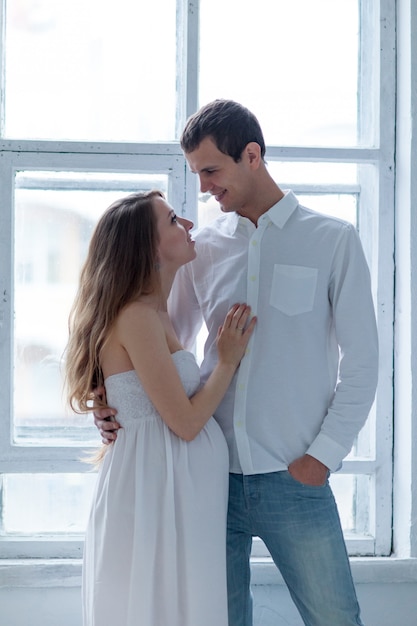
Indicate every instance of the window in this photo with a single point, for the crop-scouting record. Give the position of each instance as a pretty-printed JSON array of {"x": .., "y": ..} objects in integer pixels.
[{"x": 92, "y": 105}]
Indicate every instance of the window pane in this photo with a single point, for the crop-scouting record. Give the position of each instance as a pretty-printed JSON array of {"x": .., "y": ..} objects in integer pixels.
[
  {"x": 55, "y": 213},
  {"x": 294, "y": 64},
  {"x": 352, "y": 493},
  {"x": 343, "y": 206},
  {"x": 312, "y": 184},
  {"x": 321, "y": 178},
  {"x": 58, "y": 503},
  {"x": 289, "y": 173},
  {"x": 45, "y": 503},
  {"x": 91, "y": 70}
]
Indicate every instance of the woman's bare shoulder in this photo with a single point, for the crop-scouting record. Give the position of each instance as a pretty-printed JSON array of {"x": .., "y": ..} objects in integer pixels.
[
  {"x": 138, "y": 310},
  {"x": 141, "y": 318}
]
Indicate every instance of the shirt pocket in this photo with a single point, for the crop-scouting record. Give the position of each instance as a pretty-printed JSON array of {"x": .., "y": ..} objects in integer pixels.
[{"x": 293, "y": 288}]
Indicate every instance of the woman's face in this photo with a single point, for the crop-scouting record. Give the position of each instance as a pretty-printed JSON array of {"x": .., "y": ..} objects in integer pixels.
[{"x": 176, "y": 247}]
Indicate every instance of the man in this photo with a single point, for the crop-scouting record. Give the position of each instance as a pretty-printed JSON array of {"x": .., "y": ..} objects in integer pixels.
[{"x": 306, "y": 385}]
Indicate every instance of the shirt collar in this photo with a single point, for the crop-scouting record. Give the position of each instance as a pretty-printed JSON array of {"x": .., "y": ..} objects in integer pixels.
[
  {"x": 236, "y": 221},
  {"x": 283, "y": 209},
  {"x": 278, "y": 214}
]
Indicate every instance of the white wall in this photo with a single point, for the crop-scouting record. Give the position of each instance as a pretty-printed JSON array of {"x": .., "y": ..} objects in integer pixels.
[
  {"x": 40, "y": 607},
  {"x": 383, "y": 604}
]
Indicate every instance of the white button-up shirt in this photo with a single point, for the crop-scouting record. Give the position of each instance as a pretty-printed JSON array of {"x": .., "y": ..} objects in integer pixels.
[{"x": 308, "y": 379}]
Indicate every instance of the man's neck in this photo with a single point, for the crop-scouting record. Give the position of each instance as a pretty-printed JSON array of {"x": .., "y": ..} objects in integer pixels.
[{"x": 264, "y": 202}]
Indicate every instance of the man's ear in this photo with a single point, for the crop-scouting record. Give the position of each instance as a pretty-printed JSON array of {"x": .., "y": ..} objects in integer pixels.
[{"x": 253, "y": 154}]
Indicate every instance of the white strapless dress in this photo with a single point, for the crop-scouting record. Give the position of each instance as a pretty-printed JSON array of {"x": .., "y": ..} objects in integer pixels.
[{"x": 155, "y": 548}]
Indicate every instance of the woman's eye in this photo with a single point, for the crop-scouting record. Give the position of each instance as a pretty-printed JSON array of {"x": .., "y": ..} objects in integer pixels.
[{"x": 173, "y": 219}]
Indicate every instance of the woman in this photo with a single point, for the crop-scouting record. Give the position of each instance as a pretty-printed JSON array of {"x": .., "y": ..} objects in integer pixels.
[{"x": 155, "y": 542}]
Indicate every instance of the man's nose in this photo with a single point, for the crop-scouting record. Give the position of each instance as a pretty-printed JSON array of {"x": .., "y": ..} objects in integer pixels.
[{"x": 205, "y": 184}]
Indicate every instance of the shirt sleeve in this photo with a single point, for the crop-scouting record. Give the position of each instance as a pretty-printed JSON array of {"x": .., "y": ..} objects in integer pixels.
[
  {"x": 184, "y": 309},
  {"x": 356, "y": 333}
]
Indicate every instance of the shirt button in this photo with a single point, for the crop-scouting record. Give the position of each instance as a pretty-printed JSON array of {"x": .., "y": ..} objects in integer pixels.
[
  {"x": 252, "y": 278},
  {"x": 255, "y": 242},
  {"x": 239, "y": 424}
]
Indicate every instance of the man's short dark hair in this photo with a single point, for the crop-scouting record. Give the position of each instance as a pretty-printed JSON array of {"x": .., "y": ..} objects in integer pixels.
[{"x": 229, "y": 124}]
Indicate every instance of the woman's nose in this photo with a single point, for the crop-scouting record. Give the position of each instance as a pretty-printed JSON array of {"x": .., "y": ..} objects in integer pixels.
[{"x": 188, "y": 224}]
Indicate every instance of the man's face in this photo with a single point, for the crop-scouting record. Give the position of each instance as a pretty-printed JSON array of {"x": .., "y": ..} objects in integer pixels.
[{"x": 220, "y": 175}]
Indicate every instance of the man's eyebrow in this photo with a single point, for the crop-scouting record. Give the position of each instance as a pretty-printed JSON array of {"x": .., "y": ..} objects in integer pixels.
[{"x": 203, "y": 169}]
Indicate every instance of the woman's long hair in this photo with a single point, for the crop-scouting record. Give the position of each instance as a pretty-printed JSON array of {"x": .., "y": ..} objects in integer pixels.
[{"x": 120, "y": 266}]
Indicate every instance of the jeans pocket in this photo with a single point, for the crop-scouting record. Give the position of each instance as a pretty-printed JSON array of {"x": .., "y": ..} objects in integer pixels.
[{"x": 306, "y": 485}]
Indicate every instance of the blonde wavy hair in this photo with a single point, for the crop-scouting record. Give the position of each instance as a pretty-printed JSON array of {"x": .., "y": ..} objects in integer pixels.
[{"x": 120, "y": 267}]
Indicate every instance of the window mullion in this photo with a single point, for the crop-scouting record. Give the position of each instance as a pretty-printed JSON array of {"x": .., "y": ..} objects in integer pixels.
[
  {"x": 187, "y": 60},
  {"x": 385, "y": 291},
  {"x": 6, "y": 300},
  {"x": 376, "y": 224},
  {"x": 37, "y": 459},
  {"x": 2, "y": 64}
]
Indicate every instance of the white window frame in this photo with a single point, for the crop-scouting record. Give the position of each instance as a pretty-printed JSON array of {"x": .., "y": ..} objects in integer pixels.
[
  {"x": 376, "y": 223},
  {"x": 58, "y": 157}
]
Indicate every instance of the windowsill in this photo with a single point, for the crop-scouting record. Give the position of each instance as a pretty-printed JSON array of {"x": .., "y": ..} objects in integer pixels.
[
  {"x": 40, "y": 573},
  {"x": 364, "y": 570}
]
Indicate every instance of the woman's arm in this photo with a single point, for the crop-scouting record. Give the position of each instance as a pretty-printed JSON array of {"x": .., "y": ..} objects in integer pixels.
[{"x": 140, "y": 331}]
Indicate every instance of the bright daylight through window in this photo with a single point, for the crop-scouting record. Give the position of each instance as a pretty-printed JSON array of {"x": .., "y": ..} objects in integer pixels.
[{"x": 90, "y": 112}]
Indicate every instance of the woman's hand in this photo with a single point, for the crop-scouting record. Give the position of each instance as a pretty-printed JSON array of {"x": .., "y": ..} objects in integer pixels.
[{"x": 233, "y": 336}]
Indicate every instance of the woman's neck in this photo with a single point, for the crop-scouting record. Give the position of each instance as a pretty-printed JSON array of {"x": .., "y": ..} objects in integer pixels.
[
  {"x": 159, "y": 295},
  {"x": 166, "y": 280}
]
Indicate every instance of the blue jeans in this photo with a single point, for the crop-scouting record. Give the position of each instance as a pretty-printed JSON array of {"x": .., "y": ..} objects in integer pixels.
[{"x": 300, "y": 526}]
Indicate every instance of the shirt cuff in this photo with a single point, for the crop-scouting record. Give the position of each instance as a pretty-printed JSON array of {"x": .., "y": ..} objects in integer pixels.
[{"x": 330, "y": 453}]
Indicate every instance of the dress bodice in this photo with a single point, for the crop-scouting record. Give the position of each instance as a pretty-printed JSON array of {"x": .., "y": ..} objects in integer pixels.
[{"x": 126, "y": 394}]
